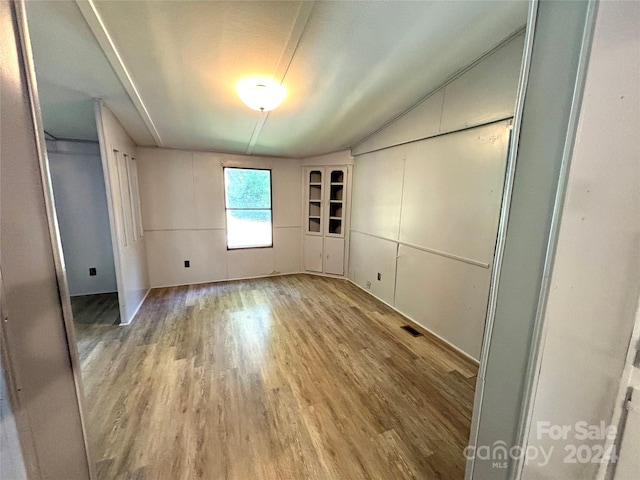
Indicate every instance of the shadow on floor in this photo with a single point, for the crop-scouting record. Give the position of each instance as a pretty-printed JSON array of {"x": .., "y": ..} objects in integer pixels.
[{"x": 101, "y": 308}]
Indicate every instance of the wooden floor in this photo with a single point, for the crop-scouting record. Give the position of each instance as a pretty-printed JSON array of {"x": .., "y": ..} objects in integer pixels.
[
  {"x": 99, "y": 308},
  {"x": 288, "y": 378}
]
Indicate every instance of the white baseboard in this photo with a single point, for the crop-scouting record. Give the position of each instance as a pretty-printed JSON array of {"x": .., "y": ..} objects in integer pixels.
[
  {"x": 122, "y": 324},
  {"x": 444, "y": 340},
  {"x": 326, "y": 275},
  {"x": 227, "y": 280},
  {"x": 92, "y": 293}
]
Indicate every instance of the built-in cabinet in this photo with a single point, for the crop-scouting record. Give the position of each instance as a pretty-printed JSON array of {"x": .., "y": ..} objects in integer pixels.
[{"x": 325, "y": 204}]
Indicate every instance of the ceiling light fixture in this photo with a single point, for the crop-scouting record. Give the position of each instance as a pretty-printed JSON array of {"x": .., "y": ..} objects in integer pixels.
[{"x": 260, "y": 93}]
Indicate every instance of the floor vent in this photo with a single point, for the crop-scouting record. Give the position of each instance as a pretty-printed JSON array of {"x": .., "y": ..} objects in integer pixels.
[{"x": 411, "y": 330}]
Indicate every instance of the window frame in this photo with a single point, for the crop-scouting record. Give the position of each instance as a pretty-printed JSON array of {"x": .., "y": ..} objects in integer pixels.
[{"x": 226, "y": 209}]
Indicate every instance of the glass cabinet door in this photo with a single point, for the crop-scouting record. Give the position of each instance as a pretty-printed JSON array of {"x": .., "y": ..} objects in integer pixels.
[
  {"x": 336, "y": 202},
  {"x": 314, "y": 201}
]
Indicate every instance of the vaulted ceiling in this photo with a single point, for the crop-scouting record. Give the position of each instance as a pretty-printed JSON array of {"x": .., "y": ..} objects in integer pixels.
[{"x": 168, "y": 69}]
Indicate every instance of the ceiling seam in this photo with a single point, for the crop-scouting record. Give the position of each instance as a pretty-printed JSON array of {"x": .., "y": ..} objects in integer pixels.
[
  {"x": 286, "y": 59},
  {"x": 256, "y": 132},
  {"x": 297, "y": 32},
  {"x": 100, "y": 32}
]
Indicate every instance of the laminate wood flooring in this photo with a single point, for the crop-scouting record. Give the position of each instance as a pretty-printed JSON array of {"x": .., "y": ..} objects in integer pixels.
[
  {"x": 293, "y": 377},
  {"x": 93, "y": 314},
  {"x": 100, "y": 308}
]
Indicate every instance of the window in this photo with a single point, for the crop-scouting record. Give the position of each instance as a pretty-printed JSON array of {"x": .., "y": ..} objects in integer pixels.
[{"x": 248, "y": 206}]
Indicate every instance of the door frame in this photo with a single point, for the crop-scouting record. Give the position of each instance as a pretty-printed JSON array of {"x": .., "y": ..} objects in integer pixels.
[
  {"x": 534, "y": 356},
  {"x": 54, "y": 232}
]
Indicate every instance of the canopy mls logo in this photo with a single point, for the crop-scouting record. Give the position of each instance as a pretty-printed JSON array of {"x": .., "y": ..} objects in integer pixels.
[
  {"x": 578, "y": 443},
  {"x": 500, "y": 455}
]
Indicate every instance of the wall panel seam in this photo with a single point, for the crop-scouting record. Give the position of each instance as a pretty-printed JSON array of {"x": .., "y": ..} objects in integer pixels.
[
  {"x": 208, "y": 229},
  {"x": 451, "y": 256},
  {"x": 435, "y": 135}
]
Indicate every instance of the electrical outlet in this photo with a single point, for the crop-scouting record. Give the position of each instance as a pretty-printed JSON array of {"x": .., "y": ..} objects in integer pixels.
[
  {"x": 187, "y": 264},
  {"x": 379, "y": 276},
  {"x": 93, "y": 272},
  {"x": 368, "y": 284}
]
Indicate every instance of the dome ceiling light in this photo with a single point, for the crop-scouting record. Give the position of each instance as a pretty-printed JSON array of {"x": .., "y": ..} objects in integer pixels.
[{"x": 261, "y": 94}]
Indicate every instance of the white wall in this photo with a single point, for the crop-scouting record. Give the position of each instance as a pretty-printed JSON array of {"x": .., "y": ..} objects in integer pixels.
[
  {"x": 83, "y": 216},
  {"x": 595, "y": 283},
  {"x": 117, "y": 152},
  {"x": 425, "y": 213},
  {"x": 483, "y": 93},
  {"x": 183, "y": 209}
]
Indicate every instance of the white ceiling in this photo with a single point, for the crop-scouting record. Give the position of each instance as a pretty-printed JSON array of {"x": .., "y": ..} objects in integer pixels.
[{"x": 349, "y": 67}]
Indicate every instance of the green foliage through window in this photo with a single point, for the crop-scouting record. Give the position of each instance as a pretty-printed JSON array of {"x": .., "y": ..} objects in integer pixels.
[{"x": 248, "y": 205}]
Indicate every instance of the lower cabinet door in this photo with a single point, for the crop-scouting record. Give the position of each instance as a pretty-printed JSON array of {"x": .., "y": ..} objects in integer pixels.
[
  {"x": 313, "y": 253},
  {"x": 334, "y": 256}
]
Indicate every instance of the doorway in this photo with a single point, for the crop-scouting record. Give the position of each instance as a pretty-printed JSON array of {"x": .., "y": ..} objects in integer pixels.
[{"x": 81, "y": 209}]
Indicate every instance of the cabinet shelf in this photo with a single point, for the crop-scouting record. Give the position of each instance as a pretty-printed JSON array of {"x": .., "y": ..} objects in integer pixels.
[
  {"x": 315, "y": 209},
  {"x": 335, "y": 210},
  {"x": 335, "y": 192},
  {"x": 337, "y": 177},
  {"x": 315, "y": 193},
  {"x": 315, "y": 177},
  {"x": 314, "y": 225},
  {"x": 335, "y": 226}
]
